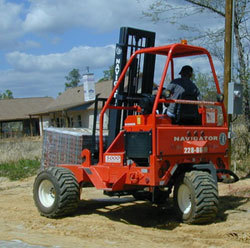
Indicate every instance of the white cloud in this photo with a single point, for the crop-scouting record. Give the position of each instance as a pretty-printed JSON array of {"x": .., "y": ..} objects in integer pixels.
[
  {"x": 37, "y": 24},
  {"x": 77, "y": 57},
  {"x": 44, "y": 75},
  {"x": 58, "y": 16},
  {"x": 47, "y": 17},
  {"x": 10, "y": 24},
  {"x": 62, "y": 14}
]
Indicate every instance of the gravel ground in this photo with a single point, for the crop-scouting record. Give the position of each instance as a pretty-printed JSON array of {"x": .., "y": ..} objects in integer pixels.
[
  {"x": 18, "y": 244},
  {"x": 103, "y": 222}
]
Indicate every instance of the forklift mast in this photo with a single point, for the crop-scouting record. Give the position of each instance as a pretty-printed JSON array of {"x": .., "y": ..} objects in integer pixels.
[{"x": 140, "y": 75}]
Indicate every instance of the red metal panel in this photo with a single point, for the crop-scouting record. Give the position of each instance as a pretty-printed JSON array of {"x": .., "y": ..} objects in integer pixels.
[{"x": 172, "y": 140}]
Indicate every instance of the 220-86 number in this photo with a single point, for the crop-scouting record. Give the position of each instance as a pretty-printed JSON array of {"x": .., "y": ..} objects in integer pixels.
[{"x": 188, "y": 150}]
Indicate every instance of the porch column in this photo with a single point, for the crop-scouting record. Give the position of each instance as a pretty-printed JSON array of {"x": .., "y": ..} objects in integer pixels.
[
  {"x": 1, "y": 130},
  {"x": 65, "y": 117},
  {"x": 54, "y": 119},
  {"x": 31, "y": 128},
  {"x": 41, "y": 129}
]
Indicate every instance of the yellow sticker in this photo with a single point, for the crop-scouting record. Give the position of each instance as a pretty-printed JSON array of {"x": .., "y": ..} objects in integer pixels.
[{"x": 138, "y": 120}]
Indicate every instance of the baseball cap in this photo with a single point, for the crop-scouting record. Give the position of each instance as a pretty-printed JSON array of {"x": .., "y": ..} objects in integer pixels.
[{"x": 186, "y": 69}]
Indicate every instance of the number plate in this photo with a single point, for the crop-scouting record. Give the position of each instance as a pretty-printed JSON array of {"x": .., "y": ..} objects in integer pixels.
[
  {"x": 112, "y": 159},
  {"x": 195, "y": 150}
]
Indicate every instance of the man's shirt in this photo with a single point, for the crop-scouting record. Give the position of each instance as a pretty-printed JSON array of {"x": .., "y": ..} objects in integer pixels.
[{"x": 182, "y": 88}]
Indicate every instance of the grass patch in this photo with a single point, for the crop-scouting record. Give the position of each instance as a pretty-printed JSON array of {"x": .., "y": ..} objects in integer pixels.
[
  {"x": 19, "y": 169},
  {"x": 15, "y": 149}
]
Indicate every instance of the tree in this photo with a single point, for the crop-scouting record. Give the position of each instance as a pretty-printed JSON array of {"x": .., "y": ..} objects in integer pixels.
[
  {"x": 212, "y": 38},
  {"x": 205, "y": 83},
  {"x": 6, "y": 95},
  {"x": 73, "y": 79},
  {"x": 108, "y": 74}
]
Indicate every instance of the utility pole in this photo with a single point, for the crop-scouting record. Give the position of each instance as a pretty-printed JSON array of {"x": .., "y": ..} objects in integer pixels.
[{"x": 228, "y": 61}]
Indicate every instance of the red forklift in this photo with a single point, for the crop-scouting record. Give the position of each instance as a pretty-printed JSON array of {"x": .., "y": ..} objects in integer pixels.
[{"x": 147, "y": 154}]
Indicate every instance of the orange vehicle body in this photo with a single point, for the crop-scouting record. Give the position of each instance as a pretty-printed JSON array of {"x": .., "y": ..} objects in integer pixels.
[{"x": 169, "y": 145}]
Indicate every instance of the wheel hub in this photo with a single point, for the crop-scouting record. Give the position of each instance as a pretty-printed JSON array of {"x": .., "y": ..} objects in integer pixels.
[
  {"x": 46, "y": 193},
  {"x": 184, "y": 199}
]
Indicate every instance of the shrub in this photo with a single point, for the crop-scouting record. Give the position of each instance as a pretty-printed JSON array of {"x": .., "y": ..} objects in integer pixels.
[
  {"x": 20, "y": 169},
  {"x": 20, "y": 157},
  {"x": 14, "y": 149},
  {"x": 240, "y": 147}
]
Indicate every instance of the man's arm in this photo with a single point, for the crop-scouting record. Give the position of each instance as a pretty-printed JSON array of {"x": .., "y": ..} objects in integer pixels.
[{"x": 170, "y": 87}]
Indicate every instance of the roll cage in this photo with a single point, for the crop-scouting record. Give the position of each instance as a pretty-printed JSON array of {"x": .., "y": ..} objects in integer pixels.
[{"x": 172, "y": 51}]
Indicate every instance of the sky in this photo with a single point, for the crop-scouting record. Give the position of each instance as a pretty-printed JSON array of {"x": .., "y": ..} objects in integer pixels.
[{"x": 41, "y": 41}]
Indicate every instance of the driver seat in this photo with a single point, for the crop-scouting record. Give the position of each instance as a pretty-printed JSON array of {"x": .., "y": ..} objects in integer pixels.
[{"x": 188, "y": 114}]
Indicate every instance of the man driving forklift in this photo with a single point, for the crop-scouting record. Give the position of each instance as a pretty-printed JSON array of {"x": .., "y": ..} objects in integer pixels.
[{"x": 183, "y": 89}]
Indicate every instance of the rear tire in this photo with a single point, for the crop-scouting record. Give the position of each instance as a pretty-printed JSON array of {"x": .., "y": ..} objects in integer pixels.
[
  {"x": 56, "y": 192},
  {"x": 196, "y": 197}
]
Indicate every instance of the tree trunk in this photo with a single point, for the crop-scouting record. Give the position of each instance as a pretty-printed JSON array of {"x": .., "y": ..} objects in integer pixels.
[{"x": 242, "y": 71}]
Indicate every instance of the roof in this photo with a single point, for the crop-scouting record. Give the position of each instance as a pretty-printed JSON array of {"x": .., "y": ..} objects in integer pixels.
[
  {"x": 20, "y": 108},
  {"x": 177, "y": 50},
  {"x": 74, "y": 97}
]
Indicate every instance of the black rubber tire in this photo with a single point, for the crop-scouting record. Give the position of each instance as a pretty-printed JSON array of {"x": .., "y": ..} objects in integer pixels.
[
  {"x": 64, "y": 193},
  {"x": 196, "y": 197}
]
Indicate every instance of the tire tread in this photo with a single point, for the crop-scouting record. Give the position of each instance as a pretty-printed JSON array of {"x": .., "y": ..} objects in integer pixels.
[
  {"x": 205, "y": 197},
  {"x": 69, "y": 192}
]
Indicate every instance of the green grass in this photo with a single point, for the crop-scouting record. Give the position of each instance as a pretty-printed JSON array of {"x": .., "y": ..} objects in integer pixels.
[{"x": 19, "y": 169}]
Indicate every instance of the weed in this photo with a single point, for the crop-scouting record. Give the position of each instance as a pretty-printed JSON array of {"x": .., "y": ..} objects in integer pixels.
[
  {"x": 14, "y": 149},
  {"x": 240, "y": 148},
  {"x": 20, "y": 169}
]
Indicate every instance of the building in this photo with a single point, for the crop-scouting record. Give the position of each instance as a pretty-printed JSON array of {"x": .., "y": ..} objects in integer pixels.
[
  {"x": 71, "y": 110},
  {"x": 15, "y": 117},
  {"x": 29, "y": 116}
]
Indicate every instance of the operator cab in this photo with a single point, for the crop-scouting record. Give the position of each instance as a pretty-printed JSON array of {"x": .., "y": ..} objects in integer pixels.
[{"x": 135, "y": 110}]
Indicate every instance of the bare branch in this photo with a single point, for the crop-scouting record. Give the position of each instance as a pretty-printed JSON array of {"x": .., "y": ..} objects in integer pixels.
[{"x": 206, "y": 6}]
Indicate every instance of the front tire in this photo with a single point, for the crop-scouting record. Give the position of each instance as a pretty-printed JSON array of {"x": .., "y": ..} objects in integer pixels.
[
  {"x": 56, "y": 192},
  {"x": 196, "y": 197}
]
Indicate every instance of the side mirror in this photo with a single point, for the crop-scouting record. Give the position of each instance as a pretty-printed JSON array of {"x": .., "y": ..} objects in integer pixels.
[{"x": 220, "y": 97}]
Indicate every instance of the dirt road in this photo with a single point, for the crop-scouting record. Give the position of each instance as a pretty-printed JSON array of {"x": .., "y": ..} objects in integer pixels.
[{"x": 122, "y": 222}]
